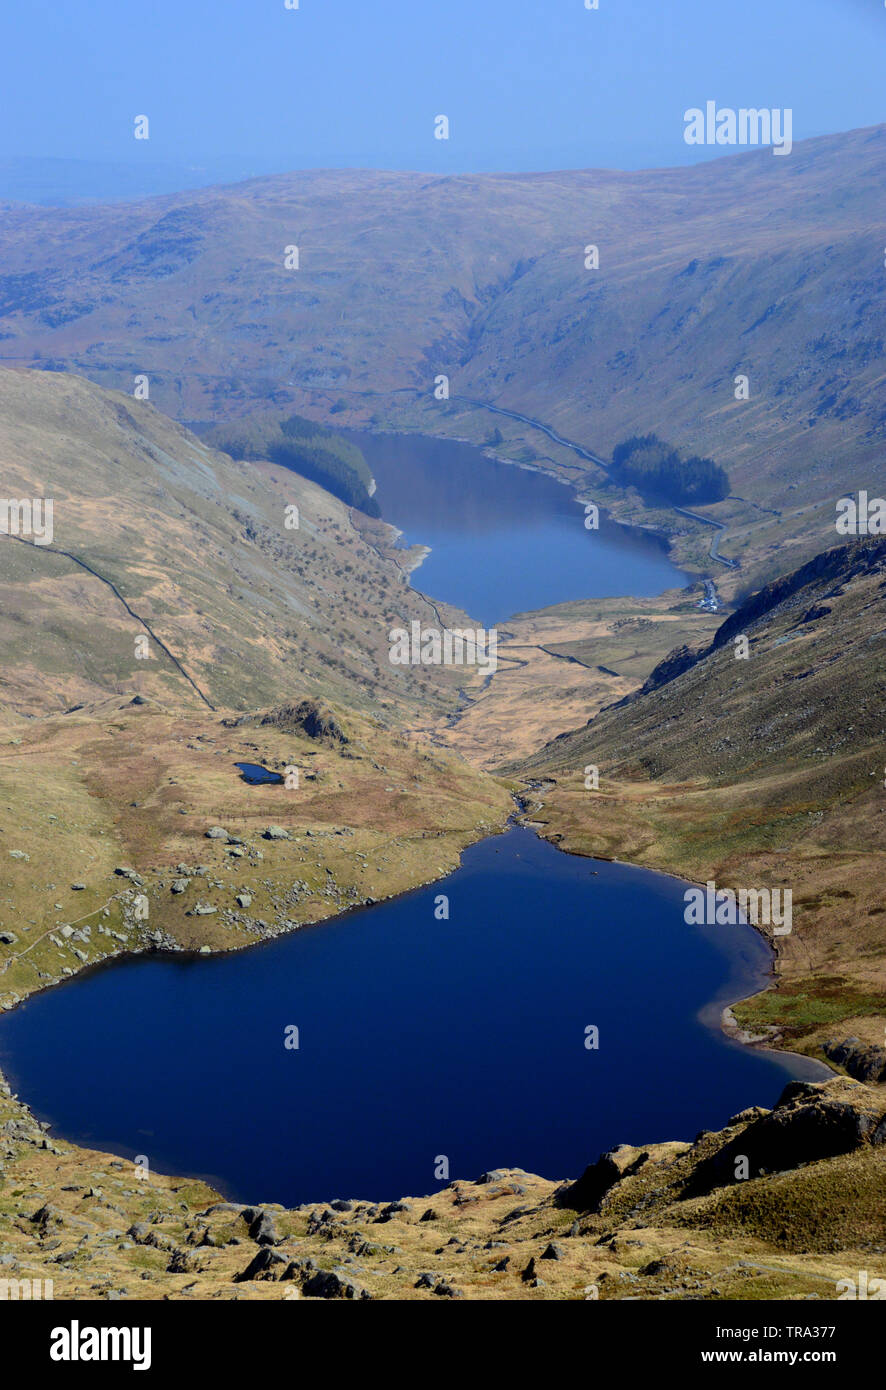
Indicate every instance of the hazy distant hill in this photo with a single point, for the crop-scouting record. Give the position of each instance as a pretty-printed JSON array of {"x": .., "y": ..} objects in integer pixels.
[
  {"x": 66, "y": 182},
  {"x": 771, "y": 268}
]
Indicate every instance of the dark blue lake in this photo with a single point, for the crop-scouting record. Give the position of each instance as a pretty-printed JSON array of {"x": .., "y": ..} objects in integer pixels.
[
  {"x": 503, "y": 539},
  {"x": 256, "y": 775},
  {"x": 418, "y": 1037}
]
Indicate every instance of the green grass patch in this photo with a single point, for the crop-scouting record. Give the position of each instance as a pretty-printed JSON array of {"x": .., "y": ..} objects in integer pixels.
[{"x": 804, "y": 1005}]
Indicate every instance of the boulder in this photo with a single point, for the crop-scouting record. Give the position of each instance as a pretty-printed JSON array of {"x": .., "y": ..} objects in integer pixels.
[
  {"x": 47, "y": 1217},
  {"x": 494, "y": 1175},
  {"x": 332, "y": 1283},
  {"x": 263, "y": 1227},
  {"x": 185, "y": 1262},
  {"x": 267, "y": 1264},
  {"x": 144, "y": 1234}
]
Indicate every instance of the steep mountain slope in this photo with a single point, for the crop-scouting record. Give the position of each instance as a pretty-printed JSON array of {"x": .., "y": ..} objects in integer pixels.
[
  {"x": 750, "y": 265},
  {"x": 155, "y": 534},
  {"x": 761, "y": 772}
]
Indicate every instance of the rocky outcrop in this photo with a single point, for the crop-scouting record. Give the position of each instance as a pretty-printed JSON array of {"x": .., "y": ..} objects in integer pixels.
[
  {"x": 587, "y": 1193},
  {"x": 267, "y": 1264},
  {"x": 263, "y": 1227},
  {"x": 308, "y": 717},
  {"x": 811, "y": 1121},
  {"x": 866, "y": 1062},
  {"x": 674, "y": 664},
  {"x": 331, "y": 1283},
  {"x": 841, "y": 563}
]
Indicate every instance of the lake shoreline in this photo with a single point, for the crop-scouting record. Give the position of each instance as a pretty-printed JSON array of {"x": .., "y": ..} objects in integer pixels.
[
  {"x": 84, "y": 1138},
  {"x": 638, "y": 530},
  {"x": 726, "y": 1022}
]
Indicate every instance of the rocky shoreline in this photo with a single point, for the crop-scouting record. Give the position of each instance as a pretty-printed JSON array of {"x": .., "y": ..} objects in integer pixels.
[{"x": 701, "y": 1219}]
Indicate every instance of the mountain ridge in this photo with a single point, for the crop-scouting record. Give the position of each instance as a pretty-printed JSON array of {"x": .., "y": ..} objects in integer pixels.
[{"x": 743, "y": 261}]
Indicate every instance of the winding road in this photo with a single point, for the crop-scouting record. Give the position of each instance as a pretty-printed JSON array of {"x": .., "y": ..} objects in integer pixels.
[{"x": 579, "y": 449}]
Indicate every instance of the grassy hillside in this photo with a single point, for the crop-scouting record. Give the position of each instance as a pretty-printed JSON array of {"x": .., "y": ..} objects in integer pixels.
[{"x": 157, "y": 534}]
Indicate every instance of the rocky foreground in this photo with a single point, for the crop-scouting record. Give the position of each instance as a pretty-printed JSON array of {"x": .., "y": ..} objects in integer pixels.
[{"x": 662, "y": 1221}]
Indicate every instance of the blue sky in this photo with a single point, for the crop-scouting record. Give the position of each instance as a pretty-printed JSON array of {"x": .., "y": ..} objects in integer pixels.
[{"x": 527, "y": 84}]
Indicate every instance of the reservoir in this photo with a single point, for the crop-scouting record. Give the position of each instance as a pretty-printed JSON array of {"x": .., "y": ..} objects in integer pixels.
[
  {"x": 418, "y": 1038},
  {"x": 504, "y": 539}
]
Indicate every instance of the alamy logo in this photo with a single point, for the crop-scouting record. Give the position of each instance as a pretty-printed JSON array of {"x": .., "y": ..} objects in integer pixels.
[
  {"x": 866, "y": 1288},
  {"x": 865, "y": 517},
  {"x": 25, "y": 1289},
  {"x": 746, "y": 126},
  {"x": 76, "y": 1343},
  {"x": 27, "y": 517},
  {"x": 452, "y": 647},
  {"x": 721, "y": 907}
]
